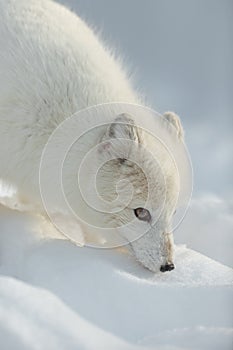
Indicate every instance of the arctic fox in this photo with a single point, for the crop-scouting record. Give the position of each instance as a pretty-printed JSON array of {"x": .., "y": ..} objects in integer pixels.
[{"x": 51, "y": 66}]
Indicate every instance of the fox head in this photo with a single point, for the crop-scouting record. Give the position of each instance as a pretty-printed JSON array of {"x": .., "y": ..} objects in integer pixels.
[
  {"x": 128, "y": 182},
  {"x": 139, "y": 183}
]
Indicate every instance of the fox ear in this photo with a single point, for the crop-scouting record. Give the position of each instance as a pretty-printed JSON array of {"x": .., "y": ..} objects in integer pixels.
[
  {"x": 117, "y": 134},
  {"x": 175, "y": 120},
  {"x": 123, "y": 127}
]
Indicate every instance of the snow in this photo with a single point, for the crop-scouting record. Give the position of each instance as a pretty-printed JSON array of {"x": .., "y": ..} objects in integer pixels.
[
  {"x": 208, "y": 227},
  {"x": 30, "y": 321},
  {"x": 55, "y": 295}
]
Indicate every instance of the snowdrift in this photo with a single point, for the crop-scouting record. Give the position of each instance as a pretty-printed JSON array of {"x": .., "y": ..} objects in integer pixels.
[{"x": 55, "y": 295}]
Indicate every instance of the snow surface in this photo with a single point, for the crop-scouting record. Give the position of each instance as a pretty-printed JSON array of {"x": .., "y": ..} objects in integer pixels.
[
  {"x": 55, "y": 295},
  {"x": 208, "y": 227}
]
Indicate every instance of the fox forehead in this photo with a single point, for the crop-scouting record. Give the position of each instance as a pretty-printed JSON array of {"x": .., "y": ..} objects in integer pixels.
[{"x": 146, "y": 190}]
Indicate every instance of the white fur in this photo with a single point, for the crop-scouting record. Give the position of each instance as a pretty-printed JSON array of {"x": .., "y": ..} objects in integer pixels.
[{"x": 51, "y": 66}]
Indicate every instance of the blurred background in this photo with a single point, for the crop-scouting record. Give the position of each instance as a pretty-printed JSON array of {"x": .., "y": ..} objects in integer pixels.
[{"x": 180, "y": 54}]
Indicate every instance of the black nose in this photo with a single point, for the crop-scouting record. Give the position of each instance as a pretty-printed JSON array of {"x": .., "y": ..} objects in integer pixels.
[{"x": 167, "y": 267}]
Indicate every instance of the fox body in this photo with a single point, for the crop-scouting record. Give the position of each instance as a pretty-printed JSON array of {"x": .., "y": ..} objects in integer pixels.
[{"x": 51, "y": 66}]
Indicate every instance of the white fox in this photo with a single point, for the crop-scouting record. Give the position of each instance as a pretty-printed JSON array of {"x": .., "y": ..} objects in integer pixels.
[{"x": 51, "y": 66}]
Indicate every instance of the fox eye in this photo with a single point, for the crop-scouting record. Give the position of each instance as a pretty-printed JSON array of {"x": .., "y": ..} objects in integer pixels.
[{"x": 142, "y": 214}]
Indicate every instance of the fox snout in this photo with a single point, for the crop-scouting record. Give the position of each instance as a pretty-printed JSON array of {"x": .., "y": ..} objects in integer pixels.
[{"x": 154, "y": 251}]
